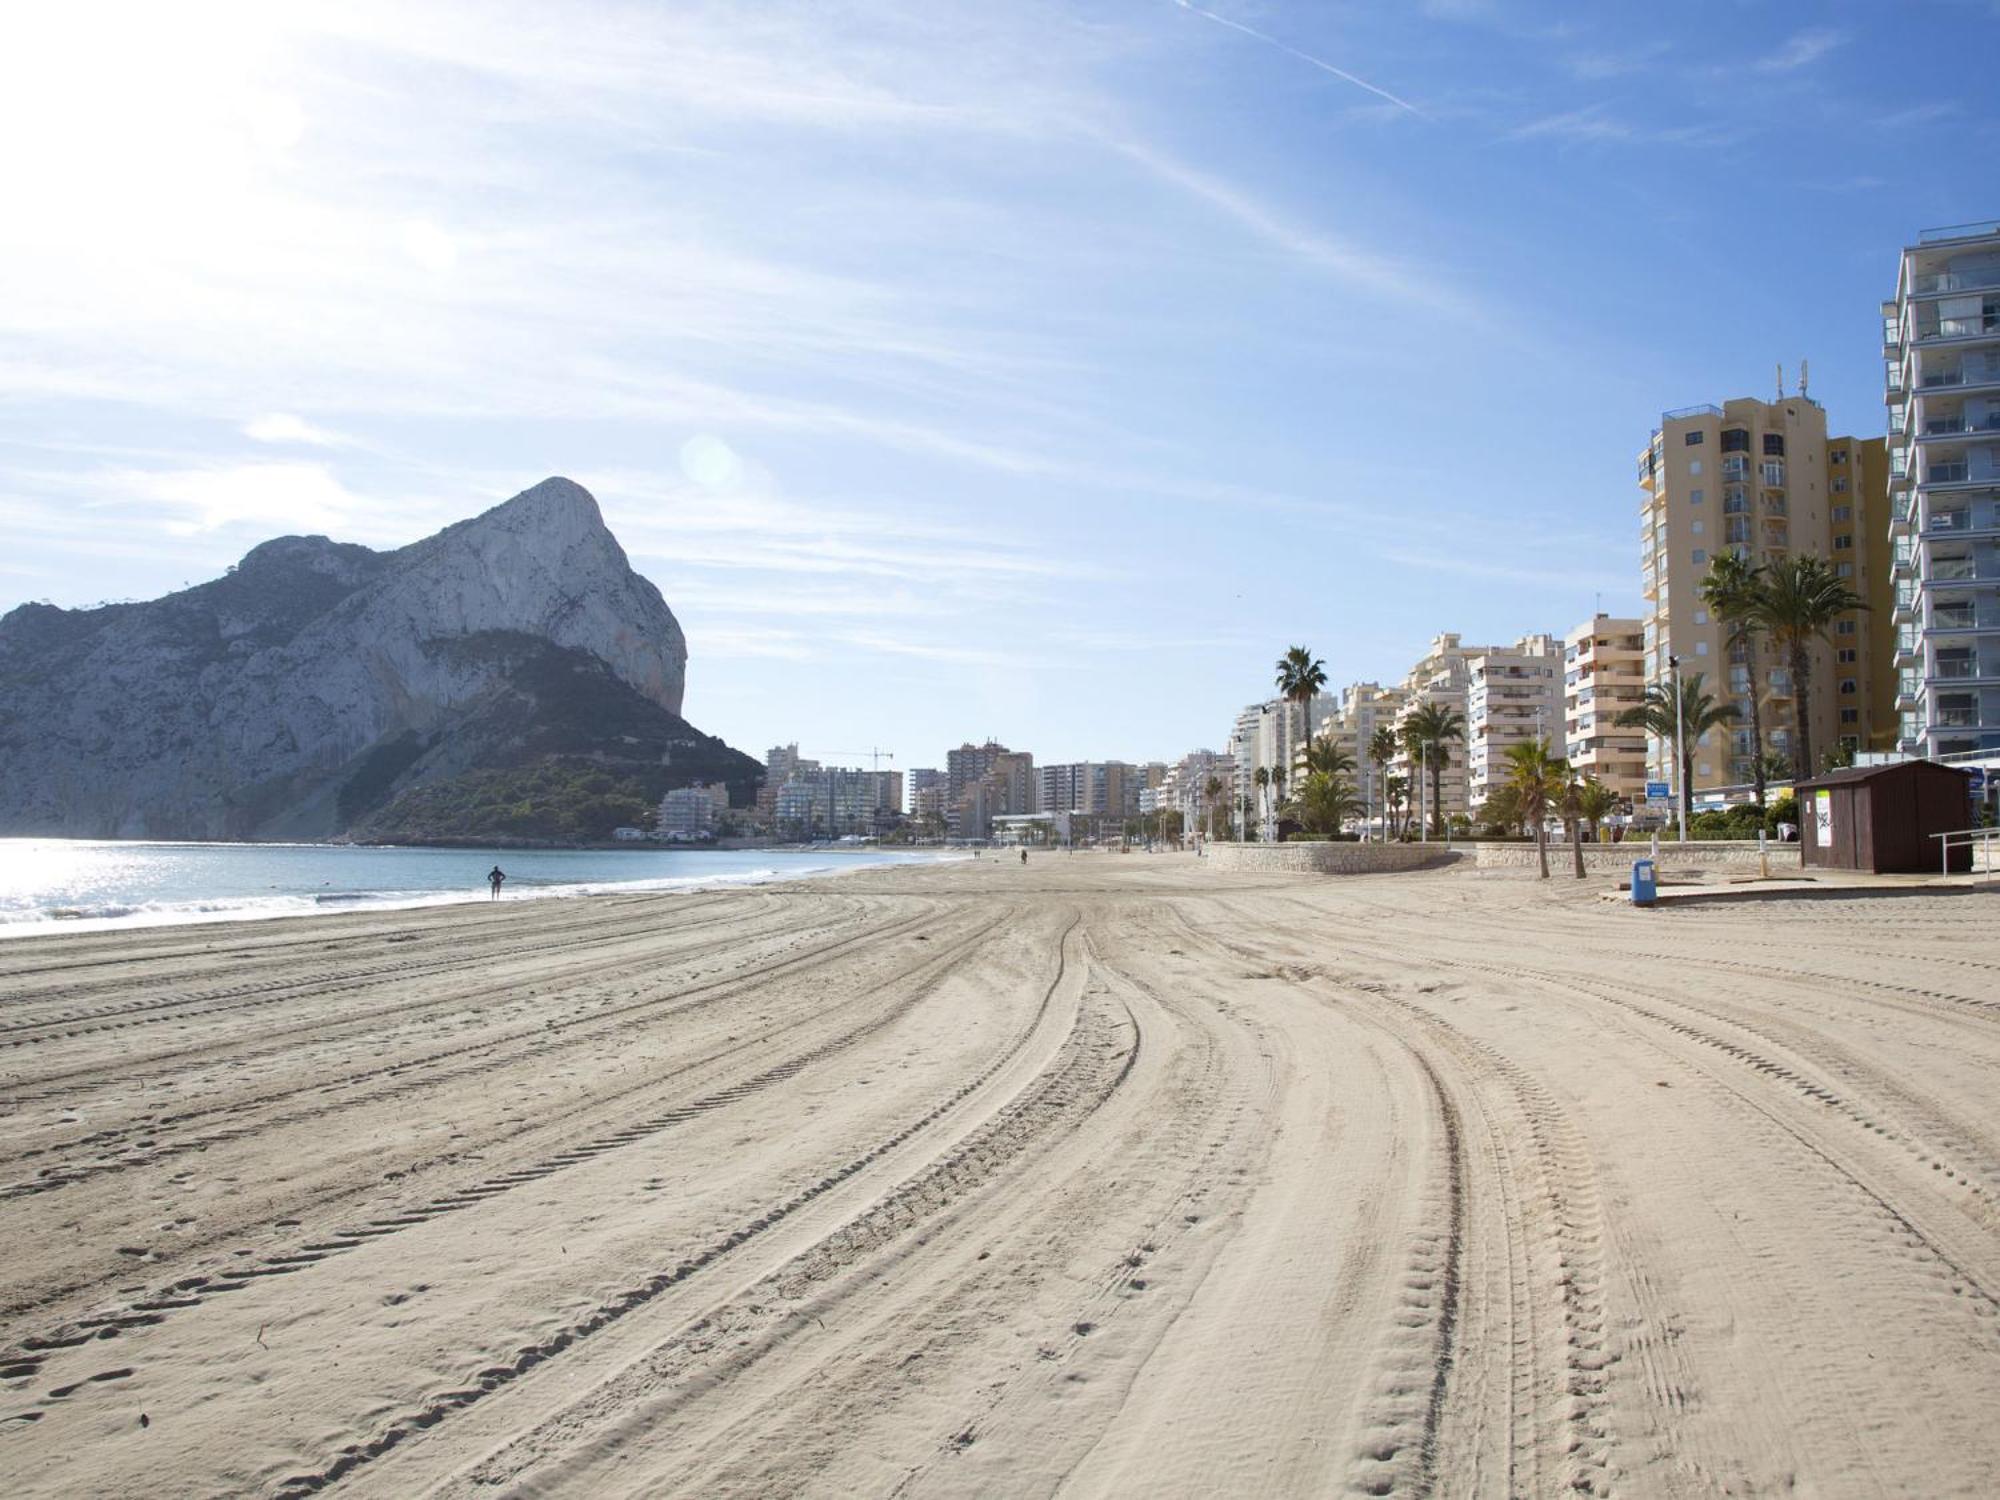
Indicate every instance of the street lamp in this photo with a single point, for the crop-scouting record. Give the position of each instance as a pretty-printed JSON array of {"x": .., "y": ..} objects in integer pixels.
[{"x": 1680, "y": 757}]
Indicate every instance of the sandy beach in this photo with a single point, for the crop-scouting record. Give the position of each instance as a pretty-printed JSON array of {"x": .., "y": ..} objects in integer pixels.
[{"x": 1102, "y": 1176}]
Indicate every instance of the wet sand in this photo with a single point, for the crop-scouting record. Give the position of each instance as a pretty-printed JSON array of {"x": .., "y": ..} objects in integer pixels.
[{"x": 1102, "y": 1176}]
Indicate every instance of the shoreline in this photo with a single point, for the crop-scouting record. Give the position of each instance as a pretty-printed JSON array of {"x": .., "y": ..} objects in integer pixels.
[{"x": 211, "y": 910}]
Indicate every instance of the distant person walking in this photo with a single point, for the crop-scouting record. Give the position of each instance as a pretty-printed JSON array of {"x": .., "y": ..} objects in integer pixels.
[
  {"x": 496, "y": 877},
  {"x": 1024, "y": 856}
]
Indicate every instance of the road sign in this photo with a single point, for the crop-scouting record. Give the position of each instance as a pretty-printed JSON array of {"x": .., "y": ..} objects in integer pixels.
[{"x": 1656, "y": 791}]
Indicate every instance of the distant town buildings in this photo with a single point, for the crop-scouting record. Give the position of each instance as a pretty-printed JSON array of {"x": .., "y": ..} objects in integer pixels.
[{"x": 691, "y": 812}]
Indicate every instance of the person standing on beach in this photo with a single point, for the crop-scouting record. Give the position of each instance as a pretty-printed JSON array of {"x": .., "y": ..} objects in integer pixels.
[{"x": 495, "y": 877}]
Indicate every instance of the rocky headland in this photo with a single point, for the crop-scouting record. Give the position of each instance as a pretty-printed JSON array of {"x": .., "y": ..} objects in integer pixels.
[{"x": 510, "y": 676}]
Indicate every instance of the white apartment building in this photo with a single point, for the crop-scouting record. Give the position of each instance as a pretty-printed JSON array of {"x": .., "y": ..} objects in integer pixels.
[
  {"x": 1364, "y": 708},
  {"x": 1272, "y": 734},
  {"x": 1604, "y": 673},
  {"x": 1513, "y": 696},
  {"x": 1941, "y": 350},
  {"x": 1441, "y": 676},
  {"x": 689, "y": 812}
]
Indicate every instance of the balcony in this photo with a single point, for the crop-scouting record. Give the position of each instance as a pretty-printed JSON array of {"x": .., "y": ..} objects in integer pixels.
[
  {"x": 1953, "y": 281},
  {"x": 1946, "y": 233},
  {"x": 1955, "y": 570},
  {"x": 1955, "y": 718},
  {"x": 1948, "y": 473},
  {"x": 1958, "y": 426},
  {"x": 1961, "y": 669}
]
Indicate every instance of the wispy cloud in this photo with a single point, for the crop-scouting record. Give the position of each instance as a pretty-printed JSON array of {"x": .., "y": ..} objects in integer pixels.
[
  {"x": 1602, "y": 63},
  {"x": 1594, "y": 125},
  {"x": 1322, "y": 251},
  {"x": 1305, "y": 57},
  {"x": 280, "y": 427},
  {"x": 1801, "y": 50}
]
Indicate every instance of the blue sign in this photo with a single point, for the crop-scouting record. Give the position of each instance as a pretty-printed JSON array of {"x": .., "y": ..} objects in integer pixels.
[
  {"x": 1656, "y": 791},
  {"x": 1978, "y": 775}
]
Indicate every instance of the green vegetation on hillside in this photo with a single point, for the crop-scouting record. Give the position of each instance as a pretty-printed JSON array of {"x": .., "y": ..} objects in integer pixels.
[{"x": 562, "y": 799}]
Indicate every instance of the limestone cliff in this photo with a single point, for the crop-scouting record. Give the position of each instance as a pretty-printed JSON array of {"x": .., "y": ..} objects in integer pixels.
[{"x": 319, "y": 680}]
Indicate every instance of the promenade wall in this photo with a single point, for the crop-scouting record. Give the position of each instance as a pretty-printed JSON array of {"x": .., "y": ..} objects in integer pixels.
[
  {"x": 1329, "y": 858},
  {"x": 1603, "y": 859}
]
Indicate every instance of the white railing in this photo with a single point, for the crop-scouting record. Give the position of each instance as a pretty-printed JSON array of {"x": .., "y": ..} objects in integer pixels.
[{"x": 1980, "y": 841}]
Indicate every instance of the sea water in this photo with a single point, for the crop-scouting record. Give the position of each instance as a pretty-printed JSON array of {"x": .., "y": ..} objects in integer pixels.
[{"x": 49, "y": 885}]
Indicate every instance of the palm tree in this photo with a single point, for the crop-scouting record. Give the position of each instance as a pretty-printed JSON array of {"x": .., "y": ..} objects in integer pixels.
[
  {"x": 1210, "y": 790},
  {"x": 1772, "y": 766},
  {"x": 1395, "y": 789},
  {"x": 1573, "y": 789},
  {"x": 1538, "y": 779},
  {"x": 1733, "y": 592},
  {"x": 1329, "y": 757},
  {"x": 1699, "y": 713},
  {"x": 1594, "y": 803},
  {"x": 1326, "y": 801},
  {"x": 1301, "y": 678},
  {"x": 1382, "y": 750},
  {"x": 1801, "y": 598},
  {"x": 1263, "y": 780},
  {"x": 1431, "y": 730},
  {"x": 1278, "y": 790}
]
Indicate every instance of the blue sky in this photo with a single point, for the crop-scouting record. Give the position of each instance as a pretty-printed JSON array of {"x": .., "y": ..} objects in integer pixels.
[{"x": 1031, "y": 370}]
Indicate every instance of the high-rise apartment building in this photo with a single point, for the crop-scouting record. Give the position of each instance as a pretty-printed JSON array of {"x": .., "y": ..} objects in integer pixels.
[
  {"x": 1941, "y": 349},
  {"x": 1513, "y": 696},
  {"x": 1604, "y": 674},
  {"x": 1441, "y": 677},
  {"x": 781, "y": 763},
  {"x": 1364, "y": 708},
  {"x": 1760, "y": 479},
  {"x": 1101, "y": 788}
]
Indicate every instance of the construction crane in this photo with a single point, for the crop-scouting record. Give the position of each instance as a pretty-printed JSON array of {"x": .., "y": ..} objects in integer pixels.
[{"x": 875, "y": 755}]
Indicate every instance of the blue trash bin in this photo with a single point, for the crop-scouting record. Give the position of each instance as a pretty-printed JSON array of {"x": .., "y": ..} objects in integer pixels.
[{"x": 1644, "y": 887}]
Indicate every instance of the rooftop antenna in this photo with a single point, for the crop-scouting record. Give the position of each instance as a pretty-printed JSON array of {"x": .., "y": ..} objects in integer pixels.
[
  {"x": 1781, "y": 380},
  {"x": 1802, "y": 377}
]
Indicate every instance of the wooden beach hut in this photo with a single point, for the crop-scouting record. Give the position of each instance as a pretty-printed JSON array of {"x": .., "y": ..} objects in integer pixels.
[{"x": 1882, "y": 818}]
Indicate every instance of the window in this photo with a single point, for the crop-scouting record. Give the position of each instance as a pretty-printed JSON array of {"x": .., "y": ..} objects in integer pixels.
[
  {"x": 1697, "y": 525},
  {"x": 1848, "y": 687},
  {"x": 1838, "y": 456},
  {"x": 1735, "y": 440},
  {"x": 1701, "y": 617},
  {"x": 1850, "y": 716},
  {"x": 1840, "y": 486},
  {"x": 1843, "y": 513},
  {"x": 1847, "y": 655},
  {"x": 1843, "y": 542},
  {"x": 1772, "y": 473},
  {"x": 1694, "y": 467},
  {"x": 1735, "y": 468},
  {"x": 1695, "y": 497},
  {"x": 1692, "y": 439},
  {"x": 1700, "y": 557},
  {"x": 1843, "y": 570},
  {"x": 1844, "y": 627},
  {"x": 1774, "y": 445},
  {"x": 1701, "y": 648}
]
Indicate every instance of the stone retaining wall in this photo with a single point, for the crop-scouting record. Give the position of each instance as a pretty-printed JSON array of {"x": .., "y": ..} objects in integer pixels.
[
  {"x": 1329, "y": 858},
  {"x": 1608, "y": 858}
]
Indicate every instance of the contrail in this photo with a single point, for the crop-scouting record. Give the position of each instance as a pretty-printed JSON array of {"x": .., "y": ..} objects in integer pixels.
[{"x": 1305, "y": 57}]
